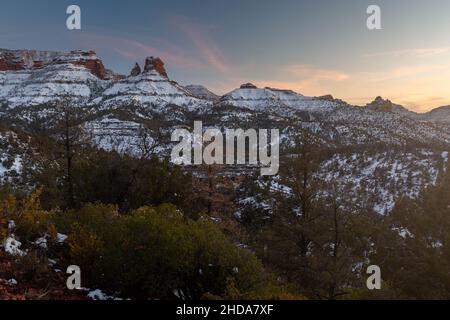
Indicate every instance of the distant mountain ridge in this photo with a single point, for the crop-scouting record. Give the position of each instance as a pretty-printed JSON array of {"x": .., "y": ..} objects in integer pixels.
[
  {"x": 382, "y": 146},
  {"x": 46, "y": 75},
  {"x": 35, "y": 81}
]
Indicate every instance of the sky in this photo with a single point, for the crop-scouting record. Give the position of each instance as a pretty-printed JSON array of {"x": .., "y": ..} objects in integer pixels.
[{"x": 314, "y": 47}]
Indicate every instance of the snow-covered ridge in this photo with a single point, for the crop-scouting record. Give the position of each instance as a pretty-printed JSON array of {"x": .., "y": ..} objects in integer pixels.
[
  {"x": 201, "y": 92},
  {"x": 29, "y": 78},
  {"x": 386, "y": 176},
  {"x": 441, "y": 114},
  {"x": 148, "y": 88},
  {"x": 258, "y": 99}
]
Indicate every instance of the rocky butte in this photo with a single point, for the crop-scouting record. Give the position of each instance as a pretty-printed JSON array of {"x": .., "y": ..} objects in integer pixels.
[
  {"x": 152, "y": 63},
  {"x": 136, "y": 70}
]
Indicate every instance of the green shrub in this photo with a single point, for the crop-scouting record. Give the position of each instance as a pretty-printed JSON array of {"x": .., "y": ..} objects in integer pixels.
[{"x": 153, "y": 251}]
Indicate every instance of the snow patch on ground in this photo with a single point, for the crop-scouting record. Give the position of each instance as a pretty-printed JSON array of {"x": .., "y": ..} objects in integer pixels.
[
  {"x": 12, "y": 246},
  {"x": 98, "y": 294}
]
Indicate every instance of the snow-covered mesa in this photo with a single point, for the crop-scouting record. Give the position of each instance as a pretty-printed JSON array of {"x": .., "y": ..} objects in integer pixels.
[{"x": 253, "y": 98}]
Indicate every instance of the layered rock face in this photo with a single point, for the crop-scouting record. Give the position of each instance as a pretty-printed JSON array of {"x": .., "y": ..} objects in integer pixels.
[
  {"x": 26, "y": 88},
  {"x": 25, "y": 59},
  {"x": 87, "y": 59},
  {"x": 248, "y": 86},
  {"x": 9, "y": 62},
  {"x": 15, "y": 60},
  {"x": 152, "y": 63}
]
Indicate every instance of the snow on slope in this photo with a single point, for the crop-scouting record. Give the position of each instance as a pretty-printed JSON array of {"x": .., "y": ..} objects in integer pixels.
[
  {"x": 9, "y": 81},
  {"x": 12, "y": 153},
  {"x": 440, "y": 115},
  {"x": 370, "y": 180},
  {"x": 201, "y": 92},
  {"x": 262, "y": 99},
  {"x": 361, "y": 125},
  {"x": 47, "y": 85},
  {"x": 385, "y": 176},
  {"x": 148, "y": 89},
  {"x": 114, "y": 134}
]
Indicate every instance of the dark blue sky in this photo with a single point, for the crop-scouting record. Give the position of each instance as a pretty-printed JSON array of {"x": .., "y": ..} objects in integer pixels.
[{"x": 312, "y": 46}]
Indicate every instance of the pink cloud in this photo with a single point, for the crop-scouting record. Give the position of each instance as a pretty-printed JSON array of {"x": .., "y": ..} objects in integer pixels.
[
  {"x": 206, "y": 46},
  {"x": 207, "y": 53},
  {"x": 316, "y": 74},
  {"x": 305, "y": 79},
  {"x": 136, "y": 50}
]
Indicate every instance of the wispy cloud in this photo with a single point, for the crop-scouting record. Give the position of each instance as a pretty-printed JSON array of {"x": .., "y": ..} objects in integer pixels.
[
  {"x": 418, "y": 52},
  {"x": 207, "y": 48},
  {"x": 312, "y": 73},
  {"x": 137, "y": 50},
  {"x": 402, "y": 72},
  {"x": 204, "y": 54},
  {"x": 306, "y": 79}
]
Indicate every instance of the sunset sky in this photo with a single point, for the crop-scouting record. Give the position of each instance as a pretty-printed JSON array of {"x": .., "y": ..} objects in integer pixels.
[{"x": 314, "y": 47}]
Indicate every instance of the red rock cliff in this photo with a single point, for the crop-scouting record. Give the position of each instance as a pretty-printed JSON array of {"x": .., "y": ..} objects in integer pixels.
[{"x": 31, "y": 59}]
